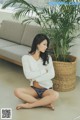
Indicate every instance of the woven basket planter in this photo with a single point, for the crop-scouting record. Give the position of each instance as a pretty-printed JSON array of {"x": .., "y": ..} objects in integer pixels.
[{"x": 65, "y": 75}]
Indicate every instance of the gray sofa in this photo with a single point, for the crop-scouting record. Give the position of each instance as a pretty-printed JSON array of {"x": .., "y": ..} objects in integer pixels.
[{"x": 16, "y": 40}]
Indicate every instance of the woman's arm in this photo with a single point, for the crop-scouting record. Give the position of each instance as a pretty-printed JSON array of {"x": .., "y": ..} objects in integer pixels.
[
  {"x": 49, "y": 74},
  {"x": 27, "y": 71}
]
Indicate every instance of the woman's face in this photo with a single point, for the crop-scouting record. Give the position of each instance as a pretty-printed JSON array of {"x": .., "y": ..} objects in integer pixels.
[{"x": 42, "y": 46}]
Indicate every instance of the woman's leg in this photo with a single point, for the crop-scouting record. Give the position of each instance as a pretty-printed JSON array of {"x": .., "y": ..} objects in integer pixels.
[
  {"x": 49, "y": 96},
  {"x": 51, "y": 105},
  {"x": 26, "y": 94}
]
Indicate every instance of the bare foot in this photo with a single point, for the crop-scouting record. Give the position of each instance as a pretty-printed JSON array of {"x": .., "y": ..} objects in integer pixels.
[
  {"x": 50, "y": 106},
  {"x": 26, "y": 105}
]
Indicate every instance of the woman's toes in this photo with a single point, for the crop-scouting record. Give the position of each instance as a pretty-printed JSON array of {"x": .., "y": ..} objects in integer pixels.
[
  {"x": 18, "y": 107},
  {"x": 26, "y": 105},
  {"x": 50, "y": 106}
]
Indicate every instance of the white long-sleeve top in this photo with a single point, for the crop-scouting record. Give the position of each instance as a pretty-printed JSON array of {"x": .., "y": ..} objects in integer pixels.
[{"x": 34, "y": 70}]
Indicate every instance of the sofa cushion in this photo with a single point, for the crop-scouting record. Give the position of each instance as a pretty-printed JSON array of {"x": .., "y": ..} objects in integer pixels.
[
  {"x": 29, "y": 34},
  {"x": 14, "y": 52},
  {"x": 11, "y": 31},
  {"x": 5, "y": 43}
]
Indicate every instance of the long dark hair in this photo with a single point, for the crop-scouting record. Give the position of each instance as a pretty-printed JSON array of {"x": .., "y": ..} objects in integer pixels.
[{"x": 37, "y": 40}]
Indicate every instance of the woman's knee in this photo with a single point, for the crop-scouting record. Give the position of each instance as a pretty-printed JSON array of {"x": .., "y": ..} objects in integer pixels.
[
  {"x": 54, "y": 96},
  {"x": 18, "y": 91},
  {"x": 57, "y": 95}
]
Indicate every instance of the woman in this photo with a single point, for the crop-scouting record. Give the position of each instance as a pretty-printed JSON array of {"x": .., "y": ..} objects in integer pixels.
[{"x": 38, "y": 68}]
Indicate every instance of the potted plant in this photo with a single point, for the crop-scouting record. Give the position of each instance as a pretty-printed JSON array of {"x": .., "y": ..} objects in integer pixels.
[{"x": 59, "y": 23}]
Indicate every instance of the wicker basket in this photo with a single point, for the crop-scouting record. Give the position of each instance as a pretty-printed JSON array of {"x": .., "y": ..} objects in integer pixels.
[{"x": 65, "y": 75}]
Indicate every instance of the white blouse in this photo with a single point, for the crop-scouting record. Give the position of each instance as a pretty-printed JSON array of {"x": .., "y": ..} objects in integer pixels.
[{"x": 34, "y": 70}]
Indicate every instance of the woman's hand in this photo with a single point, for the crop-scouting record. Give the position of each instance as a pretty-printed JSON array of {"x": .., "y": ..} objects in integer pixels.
[{"x": 36, "y": 84}]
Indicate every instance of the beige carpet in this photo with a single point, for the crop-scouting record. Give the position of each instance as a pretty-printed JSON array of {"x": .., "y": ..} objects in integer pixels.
[{"x": 11, "y": 77}]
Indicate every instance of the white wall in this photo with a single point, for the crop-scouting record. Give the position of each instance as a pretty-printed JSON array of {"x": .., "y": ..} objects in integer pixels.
[
  {"x": 6, "y": 16},
  {"x": 74, "y": 50}
]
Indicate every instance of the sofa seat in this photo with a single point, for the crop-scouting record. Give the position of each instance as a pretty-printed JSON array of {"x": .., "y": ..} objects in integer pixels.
[
  {"x": 14, "y": 52},
  {"x": 6, "y": 43}
]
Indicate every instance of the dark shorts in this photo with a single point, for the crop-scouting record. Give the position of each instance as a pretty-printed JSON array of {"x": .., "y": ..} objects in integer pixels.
[{"x": 40, "y": 91}]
